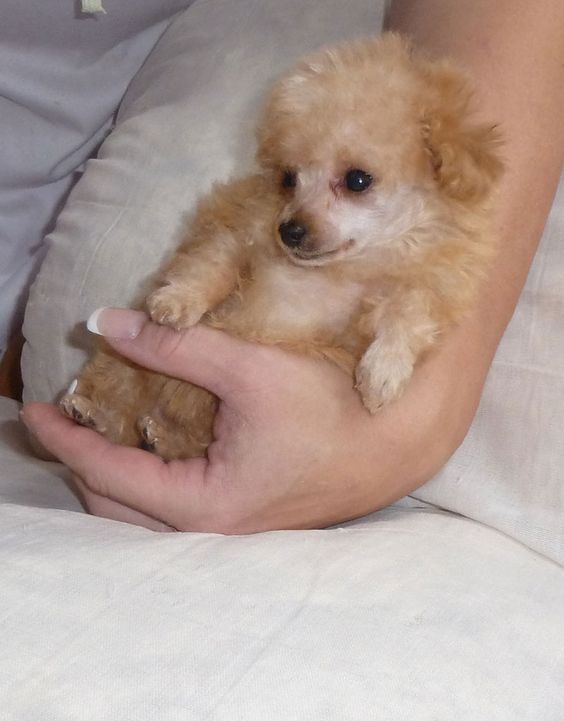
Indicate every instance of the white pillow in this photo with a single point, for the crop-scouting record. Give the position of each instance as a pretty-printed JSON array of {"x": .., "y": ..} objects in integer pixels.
[{"x": 187, "y": 120}]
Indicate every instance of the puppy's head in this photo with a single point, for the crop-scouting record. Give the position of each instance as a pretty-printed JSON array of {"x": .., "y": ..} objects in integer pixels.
[{"x": 367, "y": 143}]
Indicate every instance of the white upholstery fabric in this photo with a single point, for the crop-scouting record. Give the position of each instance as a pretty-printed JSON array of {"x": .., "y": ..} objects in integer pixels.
[
  {"x": 62, "y": 76},
  {"x": 409, "y": 614},
  {"x": 24, "y": 479}
]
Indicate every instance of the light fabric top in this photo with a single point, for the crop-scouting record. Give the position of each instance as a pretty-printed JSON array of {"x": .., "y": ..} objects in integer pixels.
[{"x": 63, "y": 74}]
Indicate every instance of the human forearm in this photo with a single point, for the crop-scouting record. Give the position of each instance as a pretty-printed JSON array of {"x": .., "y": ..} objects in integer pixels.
[{"x": 513, "y": 51}]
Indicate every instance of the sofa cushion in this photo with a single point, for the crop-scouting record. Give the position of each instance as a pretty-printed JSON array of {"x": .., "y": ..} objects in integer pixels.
[{"x": 187, "y": 120}]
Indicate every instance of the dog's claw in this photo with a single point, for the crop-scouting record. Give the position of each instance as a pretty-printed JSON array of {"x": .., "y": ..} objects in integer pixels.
[
  {"x": 149, "y": 430},
  {"x": 81, "y": 410}
]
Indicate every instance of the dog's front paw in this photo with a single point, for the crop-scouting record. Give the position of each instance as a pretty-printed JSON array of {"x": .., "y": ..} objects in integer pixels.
[
  {"x": 382, "y": 375},
  {"x": 172, "y": 306}
]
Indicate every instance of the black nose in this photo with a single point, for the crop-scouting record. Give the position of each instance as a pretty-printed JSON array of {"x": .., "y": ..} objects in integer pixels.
[{"x": 292, "y": 233}]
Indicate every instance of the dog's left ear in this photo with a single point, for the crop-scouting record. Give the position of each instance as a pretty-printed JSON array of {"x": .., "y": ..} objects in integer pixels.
[{"x": 464, "y": 155}]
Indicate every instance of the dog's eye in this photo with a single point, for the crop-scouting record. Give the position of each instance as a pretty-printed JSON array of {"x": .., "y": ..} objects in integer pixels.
[
  {"x": 289, "y": 179},
  {"x": 358, "y": 180}
]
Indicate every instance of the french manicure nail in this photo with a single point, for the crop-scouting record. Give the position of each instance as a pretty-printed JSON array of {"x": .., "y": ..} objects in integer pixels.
[
  {"x": 120, "y": 323},
  {"x": 92, "y": 322}
]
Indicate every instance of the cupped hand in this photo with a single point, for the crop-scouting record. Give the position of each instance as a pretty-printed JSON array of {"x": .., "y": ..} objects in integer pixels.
[{"x": 293, "y": 445}]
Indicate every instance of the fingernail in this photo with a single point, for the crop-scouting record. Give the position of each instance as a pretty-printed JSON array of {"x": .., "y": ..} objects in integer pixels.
[{"x": 116, "y": 323}]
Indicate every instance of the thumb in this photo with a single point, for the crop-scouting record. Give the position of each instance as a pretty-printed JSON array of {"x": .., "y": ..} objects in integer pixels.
[{"x": 201, "y": 355}]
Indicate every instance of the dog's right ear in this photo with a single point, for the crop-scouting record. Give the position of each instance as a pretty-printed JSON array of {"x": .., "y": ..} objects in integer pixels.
[{"x": 464, "y": 154}]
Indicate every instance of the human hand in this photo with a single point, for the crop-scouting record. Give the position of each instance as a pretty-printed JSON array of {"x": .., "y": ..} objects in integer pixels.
[{"x": 293, "y": 445}]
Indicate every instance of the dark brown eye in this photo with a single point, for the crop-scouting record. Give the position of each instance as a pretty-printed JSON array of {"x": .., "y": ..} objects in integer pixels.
[
  {"x": 289, "y": 179},
  {"x": 358, "y": 180}
]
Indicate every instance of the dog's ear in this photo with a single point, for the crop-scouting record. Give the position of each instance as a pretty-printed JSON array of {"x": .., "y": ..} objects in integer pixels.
[
  {"x": 274, "y": 120},
  {"x": 464, "y": 154},
  {"x": 268, "y": 142}
]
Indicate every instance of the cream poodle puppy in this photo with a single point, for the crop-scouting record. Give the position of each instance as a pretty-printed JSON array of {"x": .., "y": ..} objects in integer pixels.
[{"x": 362, "y": 238}]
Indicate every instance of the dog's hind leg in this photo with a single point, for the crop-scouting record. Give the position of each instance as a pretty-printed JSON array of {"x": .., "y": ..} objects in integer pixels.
[
  {"x": 180, "y": 423},
  {"x": 110, "y": 395}
]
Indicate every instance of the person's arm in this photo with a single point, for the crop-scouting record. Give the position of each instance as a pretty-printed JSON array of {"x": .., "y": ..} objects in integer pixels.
[
  {"x": 513, "y": 51},
  {"x": 294, "y": 447}
]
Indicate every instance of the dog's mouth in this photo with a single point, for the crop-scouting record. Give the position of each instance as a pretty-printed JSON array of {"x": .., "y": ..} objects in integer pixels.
[{"x": 317, "y": 257}]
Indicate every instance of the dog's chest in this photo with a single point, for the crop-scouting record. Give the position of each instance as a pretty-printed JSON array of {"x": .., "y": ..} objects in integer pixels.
[{"x": 285, "y": 302}]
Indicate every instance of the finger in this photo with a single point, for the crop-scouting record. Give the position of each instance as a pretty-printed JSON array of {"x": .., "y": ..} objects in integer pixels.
[
  {"x": 106, "y": 508},
  {"x": 204, "y": 356},
  {"x": 179, "y": 494}
]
